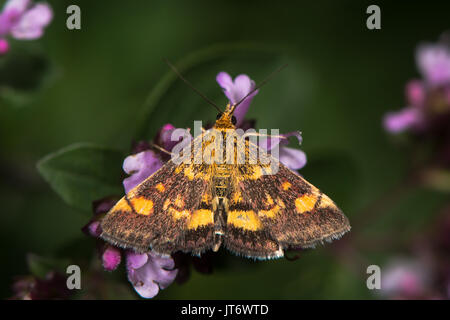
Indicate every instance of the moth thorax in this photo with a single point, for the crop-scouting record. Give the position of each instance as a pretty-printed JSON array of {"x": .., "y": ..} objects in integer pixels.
[{"x": 222, "y": 170}]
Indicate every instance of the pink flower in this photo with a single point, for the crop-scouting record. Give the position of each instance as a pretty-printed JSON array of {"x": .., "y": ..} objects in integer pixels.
[
  {"x": 24, "y": 21},
  {"x": 405, "y": 279},
  {"x": 140, "y": 166},
  {"x": 4, "y": 46},
  {"x": 149, "y": 272},
  {"x": 53, "y": 286},
  {"x": 237, "y": 89},
  {"x": 416, "y": 93},
  {"x": 433, "y": 61},
  {"x": 399, "y": 121},
  {"x": 428, "y": 98},
  {"x": 111, "y": 257}
]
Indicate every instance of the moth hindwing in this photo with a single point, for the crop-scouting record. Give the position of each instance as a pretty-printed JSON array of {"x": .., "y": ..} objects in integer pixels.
[{"x": 198, "y": 206}]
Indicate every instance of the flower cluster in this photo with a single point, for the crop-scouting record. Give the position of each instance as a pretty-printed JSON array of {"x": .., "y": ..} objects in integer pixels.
[
  {"x": 23, "y": 21},
  {"x": 52, "y": 286},
  {"x": 426, "y": 273},
  {"x": 428, "y": 98},
  {"x": 149, "y": 272}
]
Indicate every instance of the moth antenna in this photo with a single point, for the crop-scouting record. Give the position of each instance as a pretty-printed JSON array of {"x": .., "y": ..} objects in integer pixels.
[
  {"x": 190, "y": 85},
  {"x": 259, "y": 85}
]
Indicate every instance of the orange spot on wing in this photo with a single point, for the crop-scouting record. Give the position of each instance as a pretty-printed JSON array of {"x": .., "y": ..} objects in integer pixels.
[
  {"x": 189, "y": 173},
  {"x": 179, "y": 214},
  {"x": 205, "y": 198},
  {"x": 122, "y": 205},
  {"x": 281, "y": 203},
  {"x": 247, "y": 220},
  {"x": 270, "y": 213},
  {"x": 325, "y": 201},
  {"x": 269, "y": 199},
  {"x": 286, "y": 185},
  {"x": 179, "y": 202},
  {"x": 201, "y": 217},
  {"x": 178, "y": 169},
  {"x": 237, "y": 197},
  {"x": 305, "y": 203},
  {"x": 160, "y": 187},
  {"x": 166, "y": 204},
  {"x": 142, "y": 205}
]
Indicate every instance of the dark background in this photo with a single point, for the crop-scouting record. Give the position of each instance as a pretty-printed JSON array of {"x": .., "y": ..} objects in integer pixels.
[{"x": 107, "y": 84}]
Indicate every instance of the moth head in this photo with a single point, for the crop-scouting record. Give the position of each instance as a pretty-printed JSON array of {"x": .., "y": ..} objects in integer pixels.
[{"x": 226, "y": 119}]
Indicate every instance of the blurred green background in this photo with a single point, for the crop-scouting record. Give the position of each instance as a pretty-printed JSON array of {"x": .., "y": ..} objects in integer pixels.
[{"x": 107, "y": 84}]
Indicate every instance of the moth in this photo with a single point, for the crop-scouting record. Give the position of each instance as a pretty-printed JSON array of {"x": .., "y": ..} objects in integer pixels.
[{"x": 196, "y": 207}]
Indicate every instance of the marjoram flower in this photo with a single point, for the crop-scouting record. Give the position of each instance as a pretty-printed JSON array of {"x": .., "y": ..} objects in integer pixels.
[
  {"x": 23, "y": 21},
  {"x": 428, "y": 98},
  {"x": 236, "y": 90},
  {"x": 147, "y": 272}
]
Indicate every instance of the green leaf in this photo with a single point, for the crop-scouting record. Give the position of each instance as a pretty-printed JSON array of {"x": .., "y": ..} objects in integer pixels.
[{"x": 82, "y": 173}]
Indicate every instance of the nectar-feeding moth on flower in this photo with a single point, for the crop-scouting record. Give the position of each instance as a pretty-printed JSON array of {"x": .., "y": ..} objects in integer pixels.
[
  {"x": 174, "y": 208},
  {"x": 248, "y": 207},
  {"x": 154, "y": 272},
  {"x": 237, "y": 89}
]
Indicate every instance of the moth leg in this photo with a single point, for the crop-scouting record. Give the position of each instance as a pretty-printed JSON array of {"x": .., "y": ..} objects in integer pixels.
[
  {"x": 154, "y": 145},
  {"x": 264, "y": 135}
]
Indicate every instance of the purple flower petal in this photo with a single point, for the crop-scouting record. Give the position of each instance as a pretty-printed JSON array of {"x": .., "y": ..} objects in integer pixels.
[
  {"x": 165, "y": 137},
  {"x": 100, "y": 207},
  {"x": 294, "y": 159},
  {"x": 17, "y": 5},
  {"x": 237, "y": 90},
  {"x": 225, "y": 81},
  {"x": 156, "y": 273},
  {"x": 136, "y": 260},
  {"x": 140, "y": 166},
  {"x": 242, "y": 86},
  {"x": 433, "y": 62},
  {"x": 111, "y": 258},
  {"x": 92, "y": 228},
  {"x": 404, "y": 278},
  {"x": 32, "y": 23},
  {"x": 11, "y": 14},
  {"x": 396, "y": 122},
  {"x": 415, "y": 93},
  {"x": 4, "y": 46}
]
